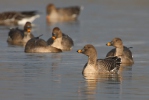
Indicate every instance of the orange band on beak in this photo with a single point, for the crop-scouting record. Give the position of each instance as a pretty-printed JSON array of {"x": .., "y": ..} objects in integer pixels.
[
  {"x": 108, "y": 44},
  {"x": 79, "y": 51},
  {"x": 53, "y": 37},
  {"x": 28, "y": 30}
]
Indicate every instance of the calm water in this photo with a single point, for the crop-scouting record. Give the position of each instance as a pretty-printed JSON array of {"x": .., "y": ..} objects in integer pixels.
[{"x": 49, "y": 76}]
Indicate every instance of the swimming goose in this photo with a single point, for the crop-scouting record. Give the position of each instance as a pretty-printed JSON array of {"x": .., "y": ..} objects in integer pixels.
[
  {"x": 94, "y": 65},
  {"x": 17, "y": 36},
  {"x": 37, "y": 45},
  {"x": 60, "y": 40},
  {"x": 121, "y": 51},
  {"x": 17, "y": 18},
  {"x": 62, "y": 14}
]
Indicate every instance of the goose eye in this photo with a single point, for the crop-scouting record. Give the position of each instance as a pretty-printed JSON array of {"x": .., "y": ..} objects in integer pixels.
[
  {"x": 53, "y": 33},
  {"x": 116, "y": 40}
]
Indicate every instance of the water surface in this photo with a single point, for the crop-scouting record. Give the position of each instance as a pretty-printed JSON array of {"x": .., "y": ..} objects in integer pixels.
[{"x": 51, "y": 76}]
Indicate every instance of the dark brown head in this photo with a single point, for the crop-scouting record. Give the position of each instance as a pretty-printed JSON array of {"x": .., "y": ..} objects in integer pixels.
[
  {"x": 116, "y": 42},
  {"x": 50, "y": 7},
  {"x": 88, "y": 50},
  {"x": 56, "y": 33},
  {"x": 28, "y": 27}
]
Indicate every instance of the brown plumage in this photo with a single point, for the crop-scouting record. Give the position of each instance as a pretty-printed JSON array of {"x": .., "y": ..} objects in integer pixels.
[
  {"x": 121, "y": 51},
  {"x": 62, "y": 14},
  {"x": 17, "y": 18},
  {"x": 20, "y": 37},
  {"x": 60, "y": 40},
  {"x": 37, "y": 45},
  {"x": 94, "y": 65}
]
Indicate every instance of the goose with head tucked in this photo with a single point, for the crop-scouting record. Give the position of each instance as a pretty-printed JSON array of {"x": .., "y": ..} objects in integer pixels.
[
  {"x": 62, "y": 14},
  {"x": 17, "y": 17},
  {"x": 20, "y": 37},
  {"x": 60, "y": 40},
  {"x": 94, "y": 65},
  {"x": 38, "y": 45},
  {"x": 121, "y": 51}
]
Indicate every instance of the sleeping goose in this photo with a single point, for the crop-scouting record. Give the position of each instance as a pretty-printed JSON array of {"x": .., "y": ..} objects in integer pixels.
[
  {"x": 37, "y": 45},
  {"x": 62, "y": 14},
  {"x": 17, "y": 17}
]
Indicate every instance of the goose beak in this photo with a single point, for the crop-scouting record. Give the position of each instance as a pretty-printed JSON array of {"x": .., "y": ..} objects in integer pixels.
[
  {"x": 109, "y": 44},
  {"x": 28, "y": 30},
  {"x": 53, "y": 37},
  {"x": 79, "y": 51}
]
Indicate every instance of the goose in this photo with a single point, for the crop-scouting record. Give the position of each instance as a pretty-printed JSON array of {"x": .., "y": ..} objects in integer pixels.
[
  {"x": 38, "y": 45},
  {"x": 60, "y": 40},
  {"x": 62, "y": 14},
  {"x": 121, "y": 51},
  {"x": 17, "y": 36},
  {"x": 17, "y": 17},
  {"x": 94, "y": 65}
]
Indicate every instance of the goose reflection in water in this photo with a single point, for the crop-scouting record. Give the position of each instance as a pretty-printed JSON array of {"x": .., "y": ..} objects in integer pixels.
[
  {"x": 99, "y": 84},
  {"x": 55, "y": 64},
  {"x": 96, "y": 84}
]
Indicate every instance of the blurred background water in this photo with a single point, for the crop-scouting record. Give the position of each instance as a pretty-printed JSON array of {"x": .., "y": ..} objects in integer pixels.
[{"x": 50, "y": 76}]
